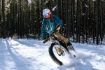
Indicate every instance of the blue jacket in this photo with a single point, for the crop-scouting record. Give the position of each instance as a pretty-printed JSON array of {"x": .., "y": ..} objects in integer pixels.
[{"x": 48, "y": 25}]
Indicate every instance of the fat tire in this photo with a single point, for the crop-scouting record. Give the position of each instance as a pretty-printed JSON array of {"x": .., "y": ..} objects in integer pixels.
[{"x": 52, "y": 55}]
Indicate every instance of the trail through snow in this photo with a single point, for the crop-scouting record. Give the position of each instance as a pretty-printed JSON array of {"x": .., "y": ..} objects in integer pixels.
[{"x": 30, "y": 54}]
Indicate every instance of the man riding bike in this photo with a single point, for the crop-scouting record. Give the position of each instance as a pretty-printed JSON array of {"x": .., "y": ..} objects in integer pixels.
[{"x": 49, "y": 23}]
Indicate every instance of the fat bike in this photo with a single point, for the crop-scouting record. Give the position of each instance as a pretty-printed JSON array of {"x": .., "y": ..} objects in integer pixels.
[{"x": 60, "y": 46}]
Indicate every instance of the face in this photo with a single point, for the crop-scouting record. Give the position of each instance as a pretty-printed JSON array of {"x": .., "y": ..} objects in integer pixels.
[{"x": 49, "y": 15}]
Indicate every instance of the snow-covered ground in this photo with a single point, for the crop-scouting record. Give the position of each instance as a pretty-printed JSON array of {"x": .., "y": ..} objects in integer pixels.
[{"x": 30, "y": 54}]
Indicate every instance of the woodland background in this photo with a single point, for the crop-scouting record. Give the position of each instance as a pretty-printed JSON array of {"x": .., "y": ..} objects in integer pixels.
[{"x": 84, "y": 20}]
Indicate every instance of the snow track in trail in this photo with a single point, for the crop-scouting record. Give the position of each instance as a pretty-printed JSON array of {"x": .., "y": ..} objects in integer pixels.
[
  {"x": 36, "y": 54},
  {"x": 30, "y": 54},
  {"x": 5, "y": 58},
  {"x": 9, "y": 59}
]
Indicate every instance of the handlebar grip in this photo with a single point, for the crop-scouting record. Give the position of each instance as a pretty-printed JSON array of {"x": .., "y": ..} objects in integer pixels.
[{"x": 45, "y": 40}]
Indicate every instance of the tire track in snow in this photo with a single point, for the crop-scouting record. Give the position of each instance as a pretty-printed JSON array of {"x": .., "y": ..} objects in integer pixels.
[
  {"x": 3, "y": 54},
  {"x": 18, "y": 63}
]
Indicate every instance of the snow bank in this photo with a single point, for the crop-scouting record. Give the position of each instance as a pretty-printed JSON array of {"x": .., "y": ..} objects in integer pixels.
[{"x": 30, "y": 54}]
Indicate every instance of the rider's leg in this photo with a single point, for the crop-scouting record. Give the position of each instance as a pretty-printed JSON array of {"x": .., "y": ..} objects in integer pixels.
[
  {"x": 64, "y": 42},
  {"x": 61, "y": 38}
]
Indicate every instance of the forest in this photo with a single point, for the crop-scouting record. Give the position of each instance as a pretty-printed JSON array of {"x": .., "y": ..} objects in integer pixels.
[{"x": 83, "y": 20}]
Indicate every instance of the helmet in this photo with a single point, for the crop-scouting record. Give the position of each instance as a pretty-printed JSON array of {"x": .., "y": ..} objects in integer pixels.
[{"x": 46, "y": 13}]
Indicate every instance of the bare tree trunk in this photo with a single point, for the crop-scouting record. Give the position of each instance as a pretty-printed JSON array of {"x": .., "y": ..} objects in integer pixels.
[{"x": 3, "y": 18}]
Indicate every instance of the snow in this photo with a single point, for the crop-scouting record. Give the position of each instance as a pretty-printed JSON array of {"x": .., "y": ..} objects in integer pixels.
[{"x": 30, "y": 54}]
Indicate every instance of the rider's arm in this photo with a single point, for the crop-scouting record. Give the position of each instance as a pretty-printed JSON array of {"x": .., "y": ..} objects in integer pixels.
[
  {"x": 50, "y": 27},
  {"x": 43, "y": 28},
  {"x": 58, "y": 21}
]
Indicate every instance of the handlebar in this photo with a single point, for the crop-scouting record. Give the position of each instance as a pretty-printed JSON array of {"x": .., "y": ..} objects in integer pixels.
[
  {"x": 52, "y": 34},
  {"x": 46, "y": 40}
]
